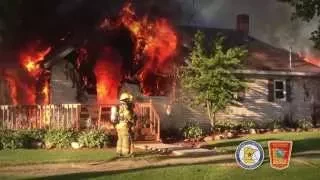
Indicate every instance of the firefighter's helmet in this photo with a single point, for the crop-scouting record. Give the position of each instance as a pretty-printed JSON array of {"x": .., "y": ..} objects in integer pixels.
[{"x": 126, "y": 97}]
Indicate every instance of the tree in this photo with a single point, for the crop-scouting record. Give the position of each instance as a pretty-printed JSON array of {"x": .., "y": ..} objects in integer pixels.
[
  {"x": 307, "y": 10},
  {"x": 209, "y": 75}
]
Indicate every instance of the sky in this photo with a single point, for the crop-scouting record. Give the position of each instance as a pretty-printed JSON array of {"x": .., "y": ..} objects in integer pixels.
[{"x": 270, "y": 20}]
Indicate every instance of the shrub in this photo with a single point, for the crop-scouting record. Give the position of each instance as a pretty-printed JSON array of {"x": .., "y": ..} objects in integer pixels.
[
  {"x": 275, "y": 124},
  {"x": 10, "y": 139},
  {"x": 248, "y": 124},
  {"x": 305, "y": 124},
  {"x": 59, "y": 138},
  {"x": 192, "y": 130},
  {"x": 227, "y": 125},
  {"x": 94, "y": 138},
  {"x": 30, "y": 136}
]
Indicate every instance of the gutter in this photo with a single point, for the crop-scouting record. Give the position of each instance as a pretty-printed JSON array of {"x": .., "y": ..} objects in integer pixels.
[{"x": 277, "y": 73}]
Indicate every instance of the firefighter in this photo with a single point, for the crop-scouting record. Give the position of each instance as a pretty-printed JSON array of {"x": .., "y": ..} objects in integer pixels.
[{"x": 125, "y": 125}]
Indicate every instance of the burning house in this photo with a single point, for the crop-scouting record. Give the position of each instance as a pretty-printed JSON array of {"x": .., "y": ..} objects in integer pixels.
[
  {"x": 122, "y": 53},
  {"x": 72, "y": 78}
]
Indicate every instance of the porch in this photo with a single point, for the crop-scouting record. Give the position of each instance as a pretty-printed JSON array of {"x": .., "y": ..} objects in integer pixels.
[{"x": 79, "y": 117}]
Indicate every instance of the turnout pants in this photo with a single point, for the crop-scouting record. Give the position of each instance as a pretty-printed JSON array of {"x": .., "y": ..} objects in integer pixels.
[{"x": 124, "y": 139}]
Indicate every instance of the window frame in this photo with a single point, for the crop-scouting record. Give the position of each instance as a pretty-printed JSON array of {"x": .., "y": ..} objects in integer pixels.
[{"x": 284, "y": 90}]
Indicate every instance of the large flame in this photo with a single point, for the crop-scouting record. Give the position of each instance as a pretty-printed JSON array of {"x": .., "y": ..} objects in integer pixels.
[
  {"x": 45, "y": 92},
  {"x": 13, "y": 89},
  {"x": 20, "y": 91},
  {"x": 156, "y": 42},
  {"x": 30, "y": 57},
  {"x": 108, "y": 76}
]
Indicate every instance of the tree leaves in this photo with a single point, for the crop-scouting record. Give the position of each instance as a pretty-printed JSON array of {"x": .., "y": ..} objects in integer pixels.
[
  {"x": 307, "y": 10},
  {"x": 210, "y": 74}
]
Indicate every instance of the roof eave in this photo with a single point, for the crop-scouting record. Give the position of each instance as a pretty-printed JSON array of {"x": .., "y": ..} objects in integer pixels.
[{"x": 278, "y": 73}]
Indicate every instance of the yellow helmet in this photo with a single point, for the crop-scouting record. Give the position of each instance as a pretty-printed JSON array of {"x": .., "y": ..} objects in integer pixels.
[{"x": 126, "y": 97}]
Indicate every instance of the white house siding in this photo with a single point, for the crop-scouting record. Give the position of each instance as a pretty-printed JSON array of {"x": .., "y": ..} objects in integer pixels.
[{"x": 256, "y": 105}]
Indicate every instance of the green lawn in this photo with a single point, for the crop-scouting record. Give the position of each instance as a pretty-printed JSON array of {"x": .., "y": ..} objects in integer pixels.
[
  {"x": 23, "y": 156},
  {"x": 205, "y": 171},
  {"x": 306, "y": 168},
  {"x": 304, "y": 141}
]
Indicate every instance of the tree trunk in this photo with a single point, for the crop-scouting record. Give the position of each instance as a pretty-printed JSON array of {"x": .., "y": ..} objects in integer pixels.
[{"x": 211, "y": 115}]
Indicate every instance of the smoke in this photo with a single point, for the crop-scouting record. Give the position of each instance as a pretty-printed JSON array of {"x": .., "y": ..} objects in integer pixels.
[{"x": 270, "y": 21}]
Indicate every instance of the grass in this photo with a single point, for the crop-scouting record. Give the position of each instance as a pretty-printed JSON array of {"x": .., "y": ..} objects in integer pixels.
[
  {"x": 304, "y": 141},
  {"x": 205, "y": 171},
  {"x": 25, "y": 157},
  {"x": 306, "y": 168}
]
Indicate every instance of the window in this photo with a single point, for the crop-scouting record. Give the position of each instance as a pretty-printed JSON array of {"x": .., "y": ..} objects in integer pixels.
[{"x": 280, "y": 90}]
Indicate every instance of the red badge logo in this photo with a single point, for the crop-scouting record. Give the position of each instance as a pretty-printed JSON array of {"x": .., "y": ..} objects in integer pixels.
[{"x": 280, "y": 154}]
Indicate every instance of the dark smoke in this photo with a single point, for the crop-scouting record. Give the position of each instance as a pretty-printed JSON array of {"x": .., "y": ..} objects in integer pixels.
[{"x": 270, "y": 20}]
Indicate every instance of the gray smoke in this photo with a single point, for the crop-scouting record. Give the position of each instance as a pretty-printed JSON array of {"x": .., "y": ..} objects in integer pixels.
[{"x": 270, "y": 20}]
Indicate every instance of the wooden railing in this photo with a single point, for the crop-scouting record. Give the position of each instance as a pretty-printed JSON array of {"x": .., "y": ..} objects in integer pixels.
[
  {"x": 144, "y": 110},
  {"x": 39, "y": 116},
  {"x": 72, "y": 116}
]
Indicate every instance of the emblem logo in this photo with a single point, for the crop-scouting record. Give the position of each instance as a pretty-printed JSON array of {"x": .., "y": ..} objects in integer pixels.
[
  {"x": 280, "y": 154},
  {"x": 249, "y": 155}
]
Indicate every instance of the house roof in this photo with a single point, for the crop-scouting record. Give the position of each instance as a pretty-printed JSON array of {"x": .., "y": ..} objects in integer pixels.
[{"x": 261, "y": 56}]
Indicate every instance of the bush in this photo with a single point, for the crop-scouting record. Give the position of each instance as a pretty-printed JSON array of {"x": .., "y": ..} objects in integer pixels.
[
  {"x": 31, "y": 136},
  {"x": 248, "y": 124},
  {"x": 275, "y": 124},
  {"x": 94, "y": 138},
  {"x": 59, "y": 138},
  {"x": 224, "y": 125},
  {"x": 192, "y": 131},
  {"x": 305, "y": 124},
  {"x": 11, "y": 140}
]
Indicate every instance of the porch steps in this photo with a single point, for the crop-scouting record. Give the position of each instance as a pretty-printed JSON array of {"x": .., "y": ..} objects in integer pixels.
[{"x": 151, "y": 138}]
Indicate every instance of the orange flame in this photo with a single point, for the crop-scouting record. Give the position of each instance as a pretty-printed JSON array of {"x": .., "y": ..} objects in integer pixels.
[
  {"x": 155, "y": 39},
  {"x": 108, "y": 76},
  {"x": 31, "y": 57},
  {"x": 19, "y": 87},
  {"x": 45, "y": 92},
  {"x": 13, "y": 89}
]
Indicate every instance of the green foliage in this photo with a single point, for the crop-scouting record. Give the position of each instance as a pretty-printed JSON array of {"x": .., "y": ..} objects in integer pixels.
[
  {"x": 307, "y": 10},
  {"x": 209, "y": 75},
  {"x": 10, "y": 139},
  {"x": 192, "y": 131},
  {"x": 275, "y": 124},
  {"x": 94, "y": 138},
  {"x": 60, "y": 138},
  {"x": 248, "y": 124},
  {"x": 30, "y": 136},
  {"x": 305, "y": 124},
  {"x": 227, "y": 125}
]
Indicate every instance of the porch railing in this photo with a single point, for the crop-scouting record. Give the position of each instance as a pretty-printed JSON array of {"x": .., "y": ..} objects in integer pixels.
[{"x": 74, "y": 116}]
